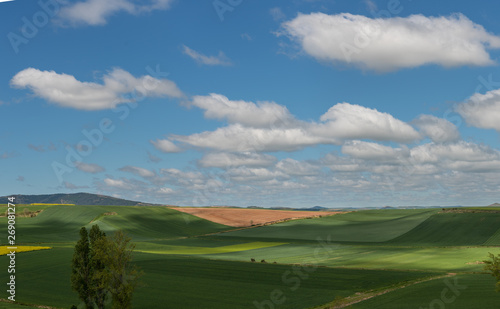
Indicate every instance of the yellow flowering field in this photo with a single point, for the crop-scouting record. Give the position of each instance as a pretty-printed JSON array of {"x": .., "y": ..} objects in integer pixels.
[{"x": 4, "y": 250}]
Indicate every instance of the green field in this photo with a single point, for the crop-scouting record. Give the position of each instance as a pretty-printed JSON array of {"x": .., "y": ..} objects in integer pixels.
[
  {"x": 172, "y": 279},
  {"x": 194, "y": 263},
  {"x": 472, "y": 291},
  {"x": 6, "y": 305},
  {"x": 59, "y": 223},
  {"x": 366, "y": 226},
  {"x": 453, "y": 229},
  {"x": 190, "y": 250}
]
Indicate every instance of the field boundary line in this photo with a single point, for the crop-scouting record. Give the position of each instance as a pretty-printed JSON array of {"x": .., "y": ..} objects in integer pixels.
[{"x": 362, "y": 296}]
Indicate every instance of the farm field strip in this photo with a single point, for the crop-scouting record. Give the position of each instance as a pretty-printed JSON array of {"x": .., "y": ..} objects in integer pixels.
[
  {"x": 347, "y": 227},
  {"x": 188, "y": 250},
  {"x": 452, "y": 229},
  {"x": 4, "y": 250},
  {"x": 494, "y": 239},
  {"x": 360, "y": 297},
  {"x": 243, "y": 217},
  {"x": 464, "y": 291},
  {"x": 371, "y": 257}
]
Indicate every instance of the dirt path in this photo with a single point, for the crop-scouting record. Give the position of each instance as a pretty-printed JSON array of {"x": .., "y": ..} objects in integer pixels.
[{"x": 359, "y": 297}]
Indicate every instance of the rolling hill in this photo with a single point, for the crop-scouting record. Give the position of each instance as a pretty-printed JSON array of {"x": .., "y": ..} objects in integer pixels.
[{"x": 386, "y": 258}]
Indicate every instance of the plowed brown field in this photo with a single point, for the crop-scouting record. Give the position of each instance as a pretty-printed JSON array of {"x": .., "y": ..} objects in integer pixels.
[{"x": 241, "y": 217}]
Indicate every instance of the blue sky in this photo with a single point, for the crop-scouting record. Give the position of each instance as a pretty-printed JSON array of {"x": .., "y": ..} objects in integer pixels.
[{"x": 269, "y": 103}]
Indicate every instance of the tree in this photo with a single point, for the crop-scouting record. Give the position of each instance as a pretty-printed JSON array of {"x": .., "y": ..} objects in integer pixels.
[
  {"x": 87, "y": 268},
  {"x": 493, "y": 266},
  {"x": 119, "y": 277},
  {"x": 99, "y": 291},
  {"x": 81, "y": 272},
  {"x": 101, "y": 266}
]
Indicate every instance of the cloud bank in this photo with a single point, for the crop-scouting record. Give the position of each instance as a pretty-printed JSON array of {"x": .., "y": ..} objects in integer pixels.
[{"x": 270, "y": 127}]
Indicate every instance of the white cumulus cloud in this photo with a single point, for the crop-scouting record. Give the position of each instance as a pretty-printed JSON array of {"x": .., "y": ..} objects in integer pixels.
[
  {"x": 117, "y": 183},
  {"x": 482, "y": 110},
  {"x": 459, "y": 151},
  {"x": 270, "y": 127},
  {"x": 246, "y": 174},
  {"x": 351, "y": 121},
  {"x": 165, "y": 145},
  {"x": 437, "y": 129},
  {"x": 237, "y": 138},
  {"x": 66, "y": 91},
  {"x": 373, "y": 151},
  {"x": 388, "y": 44},
  {"x": 138, "y": 171},
  {"x": 297, "y": 168},
  {"x": 97, "y": 12},
  {"x": 220, "y": 59},
  {"x": 260, "y": 114},
  {"x": 226, "y": 160},
  {"x": 89, "y": 167}
]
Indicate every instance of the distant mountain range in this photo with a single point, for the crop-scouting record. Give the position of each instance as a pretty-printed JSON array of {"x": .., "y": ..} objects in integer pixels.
[{"x": 73, "y": 198}]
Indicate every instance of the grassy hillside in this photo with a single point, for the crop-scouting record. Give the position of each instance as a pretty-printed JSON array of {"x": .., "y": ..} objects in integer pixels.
[
  {"x": 180, "y": 282},
  {"x": 222, "y": 284},
  {"x": 445, "y": 259},
  {"x": 423, "y": 240},
  {"x": 453, "y": 229},
  {"x": 61, "y": 223},
  {"x": 187, "y": 266},
  {"x": 362, "y": 226},
  {"x": 475, "y": 291}
]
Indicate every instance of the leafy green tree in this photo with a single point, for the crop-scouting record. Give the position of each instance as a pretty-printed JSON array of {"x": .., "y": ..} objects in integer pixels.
[
  {"x": 99, "y": 290},
  {"x": 81, "y": 274},
  {"x": 493, "y": 266},
  {"x": 120, "y": 277},
  {"x": 102, "y": 266}
]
